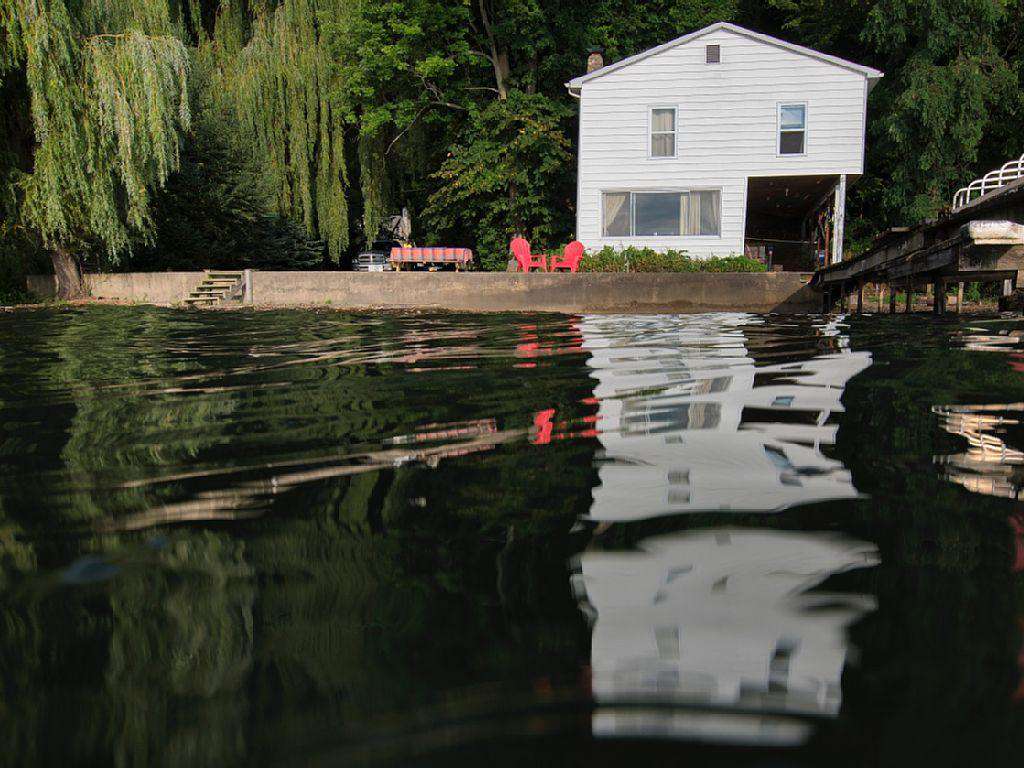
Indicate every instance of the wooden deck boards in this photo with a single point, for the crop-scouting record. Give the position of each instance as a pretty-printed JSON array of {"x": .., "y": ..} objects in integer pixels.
[{"x": 981, "y": 242}]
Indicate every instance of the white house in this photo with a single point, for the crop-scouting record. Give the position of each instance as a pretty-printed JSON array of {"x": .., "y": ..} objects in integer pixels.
[{"x": 720, "y": 141}]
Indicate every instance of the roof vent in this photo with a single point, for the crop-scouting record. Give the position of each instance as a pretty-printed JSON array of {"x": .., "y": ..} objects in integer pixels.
[{"x": 714, "y": 54}]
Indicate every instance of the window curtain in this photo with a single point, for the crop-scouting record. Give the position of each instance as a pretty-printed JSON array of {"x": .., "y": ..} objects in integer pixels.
[
  {"x": 616, "y": 214},
  {"x": 689, "y": 213},
  {"x": 711, "y": 212},
  {"x": 701, "y": 212},
  {"x": 663, "y": 132},
  {"x": 663, "y": 121}
]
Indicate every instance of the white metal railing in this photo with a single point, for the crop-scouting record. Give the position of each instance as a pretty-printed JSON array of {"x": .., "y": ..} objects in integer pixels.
[{"x": 993, "y": 180}]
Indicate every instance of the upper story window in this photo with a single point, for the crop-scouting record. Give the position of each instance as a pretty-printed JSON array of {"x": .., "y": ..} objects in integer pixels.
[
  {"x": 792, "y": 129},
  {"x": 713, "y": 54},
  {"x": 663, "y": 132}
]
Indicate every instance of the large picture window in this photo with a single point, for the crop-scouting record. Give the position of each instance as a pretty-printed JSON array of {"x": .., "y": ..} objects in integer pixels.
[
  {"x": 656, "y": 214},
  {"x": 662, "y": 214},
  {"x": 792, "y": 129},
  {"x": 663, "y": 132}
]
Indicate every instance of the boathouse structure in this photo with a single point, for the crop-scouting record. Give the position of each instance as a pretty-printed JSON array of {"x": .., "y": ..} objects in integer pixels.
[
  {"x": 723, "y": 141},
  {"x": 979, "y": 239}
]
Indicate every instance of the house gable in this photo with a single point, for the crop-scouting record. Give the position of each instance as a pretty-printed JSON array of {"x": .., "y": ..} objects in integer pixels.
[{"x": 873, "y": 75}]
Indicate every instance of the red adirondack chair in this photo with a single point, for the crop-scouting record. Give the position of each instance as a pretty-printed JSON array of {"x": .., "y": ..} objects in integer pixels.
[
  {"x": 570, "y": 259},
  {"x": 527, "y": 261}
]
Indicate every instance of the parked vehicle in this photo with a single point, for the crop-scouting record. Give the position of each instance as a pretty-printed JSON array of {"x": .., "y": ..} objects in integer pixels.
[
  {"x": 393, "y": 232},
  {"x": 376, "y": 258}
]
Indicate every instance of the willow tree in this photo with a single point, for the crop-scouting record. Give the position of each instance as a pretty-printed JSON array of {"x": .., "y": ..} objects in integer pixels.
[
  {"x": 273, "y": 78},
  {"x": 107, "y": 81}
]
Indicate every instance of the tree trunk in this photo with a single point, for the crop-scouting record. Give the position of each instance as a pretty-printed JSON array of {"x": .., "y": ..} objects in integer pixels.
[
  {"x": 67, "y": 272},
  {"x": 501, "y": 73},
  {"x": 499, "y": 59}
]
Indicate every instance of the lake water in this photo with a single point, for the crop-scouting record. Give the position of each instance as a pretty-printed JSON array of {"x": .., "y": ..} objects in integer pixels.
[{"x": 435, "y": 540}]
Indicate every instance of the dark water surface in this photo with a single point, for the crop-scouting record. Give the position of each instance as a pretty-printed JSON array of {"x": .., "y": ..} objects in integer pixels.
[{"x": 326, "y": 539}]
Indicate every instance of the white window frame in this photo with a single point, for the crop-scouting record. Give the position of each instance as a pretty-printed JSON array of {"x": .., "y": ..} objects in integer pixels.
[
  {"x": 650, "y": 132},
  {"x": 655, "y": 190},
  {"x": 778, "y": 128}
]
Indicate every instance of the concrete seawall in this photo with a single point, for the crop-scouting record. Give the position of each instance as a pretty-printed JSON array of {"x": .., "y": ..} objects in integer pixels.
[
  {"x": 785, "y": 292},
  {"x": 143, "y": 287}
]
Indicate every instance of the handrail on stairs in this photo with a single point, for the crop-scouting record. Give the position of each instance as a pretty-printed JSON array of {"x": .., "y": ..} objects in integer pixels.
[{"x": 993, "y": 180}]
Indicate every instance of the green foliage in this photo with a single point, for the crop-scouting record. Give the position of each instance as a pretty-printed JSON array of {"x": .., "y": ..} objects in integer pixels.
[
  {"x": 626, "y": 28},
  {"x": 949, "y": 108},
  {"x": 373, "y": 182},
  {"x": 512, "y": 162},
  {"x": 950, "y": 82},
  {"x": 337, "y": 113},
  {"x": 400, "y": 73},
  {"x": 632, "y": 259},
  {"x": 108, "y": 92},
  {"x": 18, "y": 247},
  {"x": 272, "y": 77},
  {"x": 18, "y": 257}
]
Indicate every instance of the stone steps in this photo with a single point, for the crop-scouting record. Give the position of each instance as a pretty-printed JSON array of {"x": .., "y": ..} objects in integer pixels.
[{"x": 217, "y": 286}]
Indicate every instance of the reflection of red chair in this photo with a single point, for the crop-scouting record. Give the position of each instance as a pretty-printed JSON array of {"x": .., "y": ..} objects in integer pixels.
[
  {"x": 544, "y": 426},
  {"x": 570, "y": 258},
  {"x": 527, "y": 261}
]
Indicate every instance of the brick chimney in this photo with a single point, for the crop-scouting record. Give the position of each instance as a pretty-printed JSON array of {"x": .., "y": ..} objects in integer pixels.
[{"x": 595, "y": 59}]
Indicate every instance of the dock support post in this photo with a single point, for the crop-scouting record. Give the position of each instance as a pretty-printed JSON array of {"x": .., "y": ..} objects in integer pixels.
[
  {"x": 1007, "y": 287},
  {"x": 892, "y": 299},
  {"x": 959, "y": 297},
  {"x": 860, "y": 297},
  {"x": 842, "y": 297},
  {"x": 938, "y": 296},
  {"x": 839, "y": 220},
  {"x": 879, "y": 291},
  {"x": 910, "y": 297}
]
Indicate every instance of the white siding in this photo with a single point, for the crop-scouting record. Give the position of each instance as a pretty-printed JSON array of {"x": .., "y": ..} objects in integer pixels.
[{"x": 728, "y": 129}]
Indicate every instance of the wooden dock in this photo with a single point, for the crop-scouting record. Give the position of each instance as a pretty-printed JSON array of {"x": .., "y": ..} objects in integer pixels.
[{"x": 980, "y": 242}]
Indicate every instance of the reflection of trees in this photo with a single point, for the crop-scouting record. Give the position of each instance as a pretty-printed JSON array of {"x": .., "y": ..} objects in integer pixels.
[
  {"x": 945, "y": 639},
  {"x": 180, "y": 651},
  {"x": 338, "y": 606},
  {"x": 429, "y": 583}
]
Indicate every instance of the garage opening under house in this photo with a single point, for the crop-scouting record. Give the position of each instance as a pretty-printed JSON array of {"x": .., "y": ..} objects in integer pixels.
[{"x": 721, "y": 142}]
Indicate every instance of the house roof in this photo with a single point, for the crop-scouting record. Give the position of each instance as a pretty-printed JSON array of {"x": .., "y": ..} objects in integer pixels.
[{"x": 871, "y": 74}]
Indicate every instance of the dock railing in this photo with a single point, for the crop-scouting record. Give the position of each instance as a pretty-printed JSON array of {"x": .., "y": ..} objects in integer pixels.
[{"x": 1011, "y": 171}]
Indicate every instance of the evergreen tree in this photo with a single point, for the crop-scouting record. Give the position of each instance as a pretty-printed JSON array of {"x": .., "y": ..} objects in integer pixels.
[{"x": 272, "y": 77}]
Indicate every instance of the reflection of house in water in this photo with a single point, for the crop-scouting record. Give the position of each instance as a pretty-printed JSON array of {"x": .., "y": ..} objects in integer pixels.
[
  {"x": 722, "y": 619},
  {"x": 690, "y": 419},
  {"x": 715, "y": 413}
]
